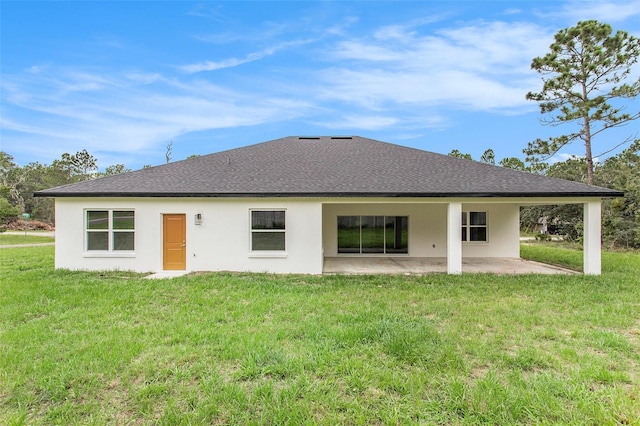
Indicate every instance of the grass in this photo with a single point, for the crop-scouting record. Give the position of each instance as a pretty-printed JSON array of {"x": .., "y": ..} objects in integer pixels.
[
  {"x": 221, "y": 348},
  {"x": 11, "y": 239},
  {"x": 553, "y": 254},
  {"x": 570, "y": 256}
]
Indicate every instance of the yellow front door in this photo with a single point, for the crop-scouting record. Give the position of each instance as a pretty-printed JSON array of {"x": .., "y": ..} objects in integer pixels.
[{"x": 174, "y": 247}]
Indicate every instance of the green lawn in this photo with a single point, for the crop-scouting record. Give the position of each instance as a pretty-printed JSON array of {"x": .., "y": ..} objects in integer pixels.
[
  {"x": 557, "y": 253},
  {"x": 23, "y": 239},
  {"x": 89, "y": 348}
]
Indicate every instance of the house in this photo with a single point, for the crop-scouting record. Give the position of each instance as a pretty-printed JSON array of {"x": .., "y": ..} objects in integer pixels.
[{"x": 286, "y": 205}]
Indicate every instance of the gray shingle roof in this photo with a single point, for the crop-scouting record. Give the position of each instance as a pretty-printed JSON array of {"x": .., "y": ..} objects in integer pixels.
[{"x": 326, "y": 166}]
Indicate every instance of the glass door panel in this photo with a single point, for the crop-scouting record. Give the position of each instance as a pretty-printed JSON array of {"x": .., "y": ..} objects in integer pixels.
[
  {"x": 396, "y": 234},
  {"x": 348, "y": 234},
  {"x": 372, "y": 234}
]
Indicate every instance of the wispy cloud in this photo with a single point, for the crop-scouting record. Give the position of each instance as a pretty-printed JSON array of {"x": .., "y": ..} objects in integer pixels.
[
  {"x": 125, "y": 114},
  {"x": 513, "y": 11},
  {"x": 367, "y": 122},
  {"x": 401, "y": 30},
  {"x": 482, "y": 67},
  {"x": 234, "y": 62},
  {"x": 268, "y": 31},
  {"x": 341, "y": 27},
  {"x": 145, "y": 78},
  {"x": 611, "y": 12},
  {"x": 214, "y": 12},
  {"x": 36, "y": 69}
]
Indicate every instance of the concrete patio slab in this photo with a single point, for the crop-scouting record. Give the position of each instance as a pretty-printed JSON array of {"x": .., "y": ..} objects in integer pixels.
[{"x": 426, "y": 265}]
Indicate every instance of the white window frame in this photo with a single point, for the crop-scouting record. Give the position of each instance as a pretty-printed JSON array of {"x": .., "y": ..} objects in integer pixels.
[
  {"x": 469, "y": 226},
  {"x": 110, "y": 252},
  {"x": 267, "y": 253}
]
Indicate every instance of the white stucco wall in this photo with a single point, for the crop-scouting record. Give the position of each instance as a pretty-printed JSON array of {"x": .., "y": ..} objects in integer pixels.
[
  {"x": 221, "y": 242},
  {"x": 503, "y": 231},
  {"x": 427, "y": 227}
]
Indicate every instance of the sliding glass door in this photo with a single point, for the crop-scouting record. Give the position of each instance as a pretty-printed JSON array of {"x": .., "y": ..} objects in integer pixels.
[{"x": 373, "y": 234}]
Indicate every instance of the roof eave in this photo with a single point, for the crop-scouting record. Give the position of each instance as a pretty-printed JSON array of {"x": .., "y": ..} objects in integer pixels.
[{"x": 603, "y": 194}]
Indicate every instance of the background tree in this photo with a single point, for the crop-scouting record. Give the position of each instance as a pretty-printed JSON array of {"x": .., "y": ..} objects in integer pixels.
[
  {"x": 7, "y": 211},
  {"x": 584, "y": 76},
  {"x": 17, "y": 184},
  {"x": 167, "y": 154},
  {"x": 42, "y": 176},
  {"x": 513, "y": 163},
  {"x": 573, "y": 168},
  {"x": 11, "y": 177},
  {"x": 567, "y": 219},
  {"x": 621, "y": 216},
  {"x": 488, "y": 157},
  {"x": 79, "y": 166},
  {"x": 114, "y": 169},
  {"x": 458, "y": 154}
]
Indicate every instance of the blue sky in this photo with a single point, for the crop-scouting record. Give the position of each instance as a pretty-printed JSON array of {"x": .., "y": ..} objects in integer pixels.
[{"x": 123, "y": 79}]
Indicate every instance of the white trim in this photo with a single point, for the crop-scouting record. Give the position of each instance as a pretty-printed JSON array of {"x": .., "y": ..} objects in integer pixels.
[
  {"x": 468, "y": 227},
  {"x": 267, "y": 253},
  {"x": 454, "y": 238},
  {"x": 112, "y": 254},
  {"x": 592, "y": 245}
]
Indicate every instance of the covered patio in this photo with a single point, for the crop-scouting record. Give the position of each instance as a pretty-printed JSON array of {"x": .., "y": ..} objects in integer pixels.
[
  {"x": 410, "y": 236},
  {"x": 427, "y": 265}
]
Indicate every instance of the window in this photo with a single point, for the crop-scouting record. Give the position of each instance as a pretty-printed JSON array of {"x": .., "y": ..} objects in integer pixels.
[
  {"x": 474, "y": 226},
  {"x": 110, "y": 230},
  {"x": 373, "y": 234},
  {"x": 267, "y": 230}
]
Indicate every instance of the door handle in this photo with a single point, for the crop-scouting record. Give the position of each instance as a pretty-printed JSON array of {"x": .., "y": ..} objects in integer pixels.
[{"x": 184, "y": 243}]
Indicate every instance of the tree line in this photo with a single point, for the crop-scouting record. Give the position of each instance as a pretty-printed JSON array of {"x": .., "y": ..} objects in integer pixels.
[{"x": 17, "y": 184}]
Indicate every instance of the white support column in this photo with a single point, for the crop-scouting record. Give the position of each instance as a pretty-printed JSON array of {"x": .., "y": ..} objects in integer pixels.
[
  {"x": 592, "y": 238},
  {"x": 454, "y": 238}
]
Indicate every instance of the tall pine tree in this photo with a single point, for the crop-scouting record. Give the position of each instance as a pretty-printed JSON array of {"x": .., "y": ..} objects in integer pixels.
[{"x": 585, "y": 76}]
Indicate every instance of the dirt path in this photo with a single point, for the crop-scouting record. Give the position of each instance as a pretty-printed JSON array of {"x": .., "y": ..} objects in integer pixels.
[{"x": 32, "y": 233}]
